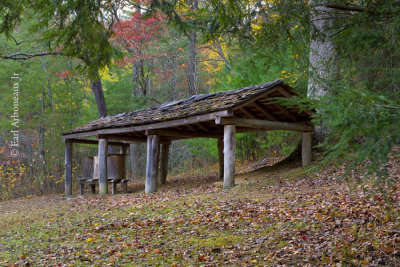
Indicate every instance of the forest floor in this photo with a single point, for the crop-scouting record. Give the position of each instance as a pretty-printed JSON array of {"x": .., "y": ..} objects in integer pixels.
[{"x": 274, "y": 216}]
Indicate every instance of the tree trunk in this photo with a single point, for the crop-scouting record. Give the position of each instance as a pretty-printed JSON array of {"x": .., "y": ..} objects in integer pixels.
[
  {"x": 42, "y": 182},
  {"x": 142, "y": 78},
  {"x": 221, "y": 53},
  {"x": 99, "y": 95},
  {"x": 68, "y": 168},
  {"x": 174, "y": 78},
  {"x": 323, "y": 56},
  {"x": 97, "y": 89},
  {"x": 323, "y": 61},
  {"x": 135, "y": 79},
  {"x": 172, "y": 62},
  {"x": 192, "y": 57}
]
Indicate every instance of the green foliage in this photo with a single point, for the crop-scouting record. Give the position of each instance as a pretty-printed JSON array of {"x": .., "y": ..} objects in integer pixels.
[
  {"x": 256, "y": 66},
  {"x": 263, "y": 41},
  {"x": 79, "y": 29},
  {"x": 363, "y": 129},
  {"x": 10, "y": 13}
]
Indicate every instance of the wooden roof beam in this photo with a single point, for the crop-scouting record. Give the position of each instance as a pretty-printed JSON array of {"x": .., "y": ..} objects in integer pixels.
[
  {"x": 248, "y": 113},
  {"x": 264, "y": 111},
  {"x": 284, "y": 92},
  {"x": 286, "y": 111},
  {"x": 184, "y": 134},
  {"x": 191, "y": 127},
  {"x": 128, "y": 139},
  {"x": 203, "y": 128},
  {"x": 94, "y": 142},
  {"x": 264, "y": 124}
]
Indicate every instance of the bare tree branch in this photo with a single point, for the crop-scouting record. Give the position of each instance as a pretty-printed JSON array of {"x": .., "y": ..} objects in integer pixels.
[
  {"x": 346, "y": 8},
  {"x": 15, "y": 40},
  {"x": 25, "y": 56},
  {"x": 342, "y": 29},
  {"x": 359, "y": 9}
]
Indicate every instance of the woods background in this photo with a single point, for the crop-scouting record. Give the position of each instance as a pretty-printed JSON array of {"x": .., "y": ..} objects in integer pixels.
[{"x": 81, "y": 60}]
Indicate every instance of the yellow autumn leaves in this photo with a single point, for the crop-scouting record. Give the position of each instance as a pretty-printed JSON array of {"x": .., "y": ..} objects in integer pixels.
[{"x": 10, "y": 178}]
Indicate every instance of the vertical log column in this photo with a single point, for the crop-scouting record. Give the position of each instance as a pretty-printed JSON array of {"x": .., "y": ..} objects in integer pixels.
[
  {"x": 164, "y": 163},
  {"x": 103, "y": 175},
  {"x": 221, "y": 157},
  {"x": 306, "y": 149},
  {"x": 229, "y": 155},
  {"x": 124, "y": 149},
  {"x": 153, "y": 150},
  {"x": 68, "y": 168}
]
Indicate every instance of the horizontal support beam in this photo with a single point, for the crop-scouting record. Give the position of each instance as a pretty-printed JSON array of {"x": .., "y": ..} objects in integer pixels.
[
  {"x": 122, "y": 138},
  {"x": 93, "y": 142},
  {"x": 128, "y": 139},
  {"x": 153, "y": 126},
  {"x": 184, "y": 134},
  {"x": 267, "y": 125},
  {"x": 79, "y": 135}
]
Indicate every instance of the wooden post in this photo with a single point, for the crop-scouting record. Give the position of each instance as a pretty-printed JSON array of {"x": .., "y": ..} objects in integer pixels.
[
  {"x": 103, "y": 175},
  {"x": 229, "y": 155},
  {"x": 221, "y": 157},
  {"x": 123, "y": 150},
  {"x": 164, "y": 163},
  {"x": 153, "y": 149},
  {"x": 68, "y": 168},
  {"x": 81, "y": 188},
  {"x": 125, "y": 186},
  {"x": 306, "y": 149},
  {"x": 114, "y": 188}
]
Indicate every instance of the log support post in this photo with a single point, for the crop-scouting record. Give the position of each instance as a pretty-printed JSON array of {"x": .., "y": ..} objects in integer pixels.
[
  {"x": 229, "y": 155},
  {"x": 153, "y": 149},
  {"x": 114, "y": 188},
  {"x": 103, "y": 175},
  {"x": 164, "y": 162},
  {"x": 220, "y": 145},
  {"x": 123, "y": 149},
  {"x": 68, "y": 168},
  {"x": 306, "y": 154}
]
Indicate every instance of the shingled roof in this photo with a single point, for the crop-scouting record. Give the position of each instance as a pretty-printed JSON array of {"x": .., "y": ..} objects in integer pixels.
[{"x": 201, "y": 104}]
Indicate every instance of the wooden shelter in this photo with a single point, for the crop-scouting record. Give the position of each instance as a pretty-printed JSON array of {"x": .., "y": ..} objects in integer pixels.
[{"x": 219, "y": 115}]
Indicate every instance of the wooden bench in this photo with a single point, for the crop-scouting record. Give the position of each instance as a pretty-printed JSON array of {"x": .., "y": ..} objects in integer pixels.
[
  {"x": 116, "y": 171},
  {"x": 95, "y": 182}
]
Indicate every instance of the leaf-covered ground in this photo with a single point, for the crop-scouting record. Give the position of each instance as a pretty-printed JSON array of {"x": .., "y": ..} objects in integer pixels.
[{"x": 277, "y": 217}]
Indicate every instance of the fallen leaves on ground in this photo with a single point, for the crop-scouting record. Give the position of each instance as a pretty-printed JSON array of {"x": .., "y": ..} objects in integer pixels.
[{"x": 280, "y": 218}]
